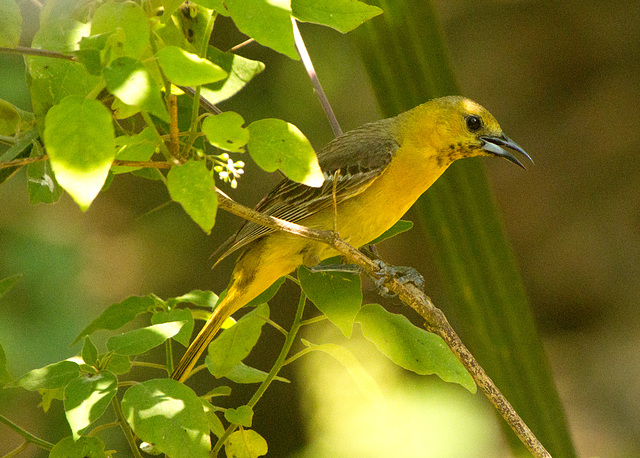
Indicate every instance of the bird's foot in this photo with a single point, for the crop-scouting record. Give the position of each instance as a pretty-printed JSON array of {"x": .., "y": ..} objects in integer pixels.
[{"x": 403, "y": 274}]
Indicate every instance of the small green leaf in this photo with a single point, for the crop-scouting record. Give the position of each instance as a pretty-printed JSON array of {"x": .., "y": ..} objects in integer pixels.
[
  {"x": 269, "y": 23},
  {"x": 80, "y": 141},
  {"x": 215, "y": 425},
  {"x": 86, "y": 398},
  {"x": 398, "y": 228},
  {"x": 186, "y": 69},
  {"x": 48, "y": 396},
  {"x": 130, "y": 81},
  {"x": 245, "y": 443},
  {"x": 9, "y": 116},
  {"x": 5, "y": 376},
  {"x": 218, "y": 391},
  {"x": 10, "y": 24},
  {"x": 242, "y": 416},
  {"x": 365, "y": 382},
  {"x": 131, "y": 20},
  {"x": 235, "y": 343},
  {"x": 225, "y": 131},
  {"x": 117, "y": 315},
  {"x": 245, "y": 374},
  {"x": 410, "y": 347},
  {"x": 118, "y": 364},
  {"x": 240, "y": 71},
  {"x": 336, "y": 294},
  {"x": 342, "y": 15},
  {"x": 177, "y": 315},
  {"x": 41, "y": 181},
  {"x": 89, "y": 352},
  {"x": 139, "y": 147},
  {"x": 169, "y": 415},
  {"x": 8, "y": 283},
  {"x": 56, "y": 375},
  {"x": 192, "y": 186},
  {"x": 84, "y": 447},
  {"x": 143, "y": 339},
  {"x": 276, "y": 144},
  {"x": 197, "y": 297}
]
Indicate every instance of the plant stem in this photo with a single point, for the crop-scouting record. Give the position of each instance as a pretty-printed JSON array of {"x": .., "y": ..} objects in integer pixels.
[
  {"x": 22, "y": 51},
  {"x": 280, "y": 361},
  {"x": 30, "y": 438},
  {"x": 125, "y": 427}
]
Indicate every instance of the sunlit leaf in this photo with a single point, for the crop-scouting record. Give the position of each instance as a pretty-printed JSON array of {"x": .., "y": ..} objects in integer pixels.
[
  {"x": 242, "y": 416},
  {"x": 143, "y": 339},
  {"x": 169, "y": 415},
  {"x": 410, "y": 347},
  {"x": 10, "y": 23},
  {"x": 186, "y": 69},
  {"x": 225, "y": 131},
  {"x": 245, "y": 443},
  {"x": 276, "y": 144},
  {"x": 86, "y": 398},
  {"x": 80, "y": 141},
  {"x": 336, "y": 294},
  {"x": 342, "y": 15},
  {"x": 56, "y": 375},
  {"x": 133, "y": 22},
  {"x": 197, "y": 297},
  {"x": 139, "y": 147},
  {"x": 117, "y": 315},
  {"x": 192, "y": 186},
  {"x": 242, "y": 373},
  {"x": 85, "y": 447},
  {"x": 215, "y": 425},
  {"x": 235, "y": 344},
  {"x": 9, "y": 116},
  {"x": 177, "y": 315},
  {"x": 89, "y": 352}
]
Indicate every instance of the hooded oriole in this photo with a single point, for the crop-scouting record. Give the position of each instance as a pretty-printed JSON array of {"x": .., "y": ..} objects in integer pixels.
[{"x": 381, "y": 169}]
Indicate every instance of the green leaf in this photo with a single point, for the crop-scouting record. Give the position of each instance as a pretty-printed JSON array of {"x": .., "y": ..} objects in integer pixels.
[
  {"x": 242, "y": 416},
  {"x": 269, "y": 23},
  {"x": 118, "y": 364},
  {"x": 197, "y": 297},
  {"x": 218, "y": 391},
  {"x": 9, "y": 116},
  {"x": 242, "y": 373},
  {"x": 236, "y": 342},
  {"x": 240, "y": 71},
  {"x": 84, "y": 447},
  {"x": 186, "y": 69},
  {"x": 267, "y": 294},
  {"x": 245, "y": 443},
  {"x": 139, "y": 147},
  {"x": 365, "y": 382},
  {"x": 276, "y": 144},
  {"x": 177, "y": 315},
  {"x": 215, "y": 425},
  {"x": 56, "y": 375},
  {"x": 89, "y": 352},
  {"x": 192, "y": 186},
  {"x": 131, "y": 20},
  {"x": 5, "y": 376},
  {"x": 41, "y": 181},
  {"x": 169, "y": 7},
  {"x": 10, "y": 24},
  {"x": 169, "y": 415},
  {"x": 342, "y": 15},
  {"x": 117, "y": 315},
  {"x": 86, "y": 398},
  {"x": 48, "y": 396},
  {"x": 143, "y": 339},
  {"x": 410, "y": 347},
  {"x": 8, "y": 283},
  {"x": 336, "y": 294},
  {"x": 225, "y": 131},
  {"x": 80, "y": 140},
  {"x": 130, "y": 81},
  {"x": 398, "y": 228}
]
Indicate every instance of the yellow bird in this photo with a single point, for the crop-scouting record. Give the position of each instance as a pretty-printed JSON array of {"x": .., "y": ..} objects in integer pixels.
[{"x": 383, "y": 166}]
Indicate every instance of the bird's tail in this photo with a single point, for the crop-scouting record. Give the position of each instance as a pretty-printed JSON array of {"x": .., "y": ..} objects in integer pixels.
[{"x": 225, "y": 308}]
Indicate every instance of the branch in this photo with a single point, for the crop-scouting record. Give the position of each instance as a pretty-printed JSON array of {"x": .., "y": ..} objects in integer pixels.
[
  {"x": 29, "y": 438},
  {"x": 22, "y": 51},
  {"x": 410, "y": 295}
]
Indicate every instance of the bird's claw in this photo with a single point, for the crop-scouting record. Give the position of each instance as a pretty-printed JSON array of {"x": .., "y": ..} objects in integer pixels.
[{"x": 403, "y": 274}]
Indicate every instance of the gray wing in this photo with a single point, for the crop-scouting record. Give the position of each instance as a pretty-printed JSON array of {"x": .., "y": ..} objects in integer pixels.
[{"x": 366, "y": 151}]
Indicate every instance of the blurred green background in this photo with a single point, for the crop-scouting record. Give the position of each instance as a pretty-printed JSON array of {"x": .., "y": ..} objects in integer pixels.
[{"x": 561, "y": 77}]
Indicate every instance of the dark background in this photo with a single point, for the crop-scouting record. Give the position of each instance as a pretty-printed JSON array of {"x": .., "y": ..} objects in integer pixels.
[{"x": 561, "y": 77}]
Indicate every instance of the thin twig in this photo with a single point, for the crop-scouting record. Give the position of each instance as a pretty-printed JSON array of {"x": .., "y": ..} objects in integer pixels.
[
  {"x": 313, "y": 76},
  {"x": 144, "y": 164},
  {"x": 22, "y": 51},
  {"x": 131, "y": 440},
  {"x": 28, "y": 437}
]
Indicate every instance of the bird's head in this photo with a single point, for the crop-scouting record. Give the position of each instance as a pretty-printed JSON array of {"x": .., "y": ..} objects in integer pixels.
[{"x": 459, "y": 128}]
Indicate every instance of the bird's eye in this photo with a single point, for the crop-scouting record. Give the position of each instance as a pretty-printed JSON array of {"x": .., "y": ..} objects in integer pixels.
[{"x": 474, "y": 123}]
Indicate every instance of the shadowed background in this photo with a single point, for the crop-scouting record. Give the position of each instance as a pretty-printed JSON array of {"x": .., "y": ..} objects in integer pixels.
[{"x": 562, "y": 80}]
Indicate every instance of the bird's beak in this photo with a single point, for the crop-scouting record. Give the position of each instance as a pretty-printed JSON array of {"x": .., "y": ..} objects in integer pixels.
[{"x": 496, "y": 145}]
